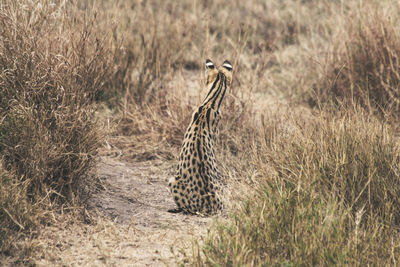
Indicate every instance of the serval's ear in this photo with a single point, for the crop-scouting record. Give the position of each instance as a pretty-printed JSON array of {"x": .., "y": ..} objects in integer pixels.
[
  {"x": 211, "y": 72},
  {"x": 209, "y": 65},
  {"x": 226, "y": 69},
  {"x": 227, "y": 65}
]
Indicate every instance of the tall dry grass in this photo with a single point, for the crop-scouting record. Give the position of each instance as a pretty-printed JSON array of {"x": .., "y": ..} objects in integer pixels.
[
  {"x": 53, "y": 66},
  {"x": 322, "y": 192},
  {"x": 363, "y": 66},
  {"x": 177, "y": 38},
  {"x": 319, "y": 188}
]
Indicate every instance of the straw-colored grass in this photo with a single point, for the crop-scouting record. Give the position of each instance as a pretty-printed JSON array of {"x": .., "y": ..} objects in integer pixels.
[
  {"x": 313, "y": 172},
  {"x": 363, "y": 66},
  {"x": 53, "y": 64},
  {"x": 324, "y": 193}
]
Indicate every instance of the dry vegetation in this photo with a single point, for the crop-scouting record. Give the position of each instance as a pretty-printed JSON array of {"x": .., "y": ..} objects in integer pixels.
[
  {"x": 52, "y": 67},
  {"x": 364, "y": 67},
  {"x": 308, "y": 137}
]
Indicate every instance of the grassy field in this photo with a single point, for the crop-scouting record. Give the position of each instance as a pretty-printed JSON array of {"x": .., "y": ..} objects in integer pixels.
[{"x": 309, "y": 133}]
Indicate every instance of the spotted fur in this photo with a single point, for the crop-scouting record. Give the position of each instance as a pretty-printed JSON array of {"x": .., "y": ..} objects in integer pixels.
[{"x": 195, "y": 187}]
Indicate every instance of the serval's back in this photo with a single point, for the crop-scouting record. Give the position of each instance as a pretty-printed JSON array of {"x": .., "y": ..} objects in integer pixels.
[{"x": 195, "y": 188}]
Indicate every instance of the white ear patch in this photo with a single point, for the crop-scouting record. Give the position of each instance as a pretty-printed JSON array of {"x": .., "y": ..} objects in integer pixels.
[
  {"x": 227, "y": 65},
  {"x": 209, "y": 64}
]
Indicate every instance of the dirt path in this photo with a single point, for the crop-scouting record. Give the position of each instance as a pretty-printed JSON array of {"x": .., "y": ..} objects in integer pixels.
[{"x": 133, "y": 228}]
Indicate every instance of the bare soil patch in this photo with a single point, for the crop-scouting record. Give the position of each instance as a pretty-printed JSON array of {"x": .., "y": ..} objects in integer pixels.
[{"x": 133, "y": 227}]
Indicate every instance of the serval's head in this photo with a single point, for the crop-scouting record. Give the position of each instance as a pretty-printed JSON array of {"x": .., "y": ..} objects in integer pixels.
[{"x": 212, "y": 72}]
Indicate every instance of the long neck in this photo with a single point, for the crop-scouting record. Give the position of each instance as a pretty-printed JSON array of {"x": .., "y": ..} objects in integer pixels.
[
  {"x": 216, "y": 92},
  {"x": 208, "y": 112}
]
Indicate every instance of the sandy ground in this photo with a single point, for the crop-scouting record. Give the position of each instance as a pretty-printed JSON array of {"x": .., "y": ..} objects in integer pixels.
[{"x": 133, "y": 227}]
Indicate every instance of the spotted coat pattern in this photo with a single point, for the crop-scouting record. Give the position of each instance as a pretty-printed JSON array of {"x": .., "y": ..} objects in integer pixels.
[{"x": 195, "y": 187}]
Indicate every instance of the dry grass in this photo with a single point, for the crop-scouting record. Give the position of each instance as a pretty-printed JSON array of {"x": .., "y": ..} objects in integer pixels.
[
  {"x": 363, "y": 68},
  {"x": 53, "y": 63},
  {"x": 325, "y": 192},
  {"x": 17, "y": 214},
  {"x": 321, "y": 189},
  {"x": 313, "y": 186}
]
